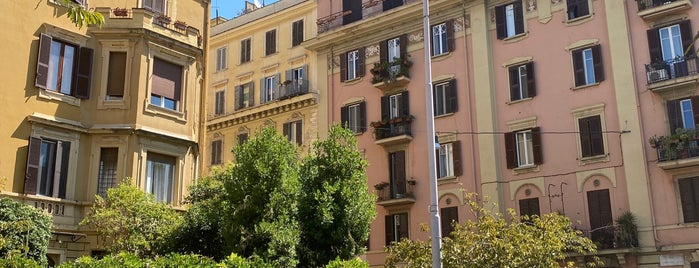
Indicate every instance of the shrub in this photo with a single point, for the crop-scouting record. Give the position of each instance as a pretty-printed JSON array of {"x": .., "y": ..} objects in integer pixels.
[{"x": 24, "y": 230}]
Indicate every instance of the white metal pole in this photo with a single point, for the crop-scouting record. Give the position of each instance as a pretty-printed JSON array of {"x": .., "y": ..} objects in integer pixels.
[{"x": 435, "y": 224}]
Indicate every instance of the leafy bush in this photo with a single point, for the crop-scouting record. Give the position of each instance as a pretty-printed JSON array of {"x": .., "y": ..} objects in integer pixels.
[
  {"x": 130, "y": 260},
  {"x": 24, "y": 230},
  {"x": 353, "y": 263},
  {"x": 17, "y": 261}
]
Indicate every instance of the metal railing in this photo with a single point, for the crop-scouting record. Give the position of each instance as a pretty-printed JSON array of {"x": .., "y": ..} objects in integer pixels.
[
  {"x": 648, "y": 4},
  {"x": 392, "y": 129},
  {"x": 610, "y": 237},
  {"x": 677, "y": 150},
  {"x": 387, "y": 191},
  {"x": 679, "y": 67},
  {"x": 285, "y": 90}
]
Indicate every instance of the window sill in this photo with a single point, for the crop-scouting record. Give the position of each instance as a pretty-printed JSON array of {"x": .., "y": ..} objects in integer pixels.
[
  {"x": 444, "y": 115},
  {"x": 519, "y": 100},
  {"x": 178, "y": 116},
  {"x": 445, "y": 180},
  {"x": 442, "y": 56},
  {"x": 358, "y": 133},
  {"x": 353, "y": 81},
  {"x": 594, "y": 159},
  {"x": 525, "y": 169},
  {"x": 515, "y": 38},
  {"x": 222, "y": 70},
  {"x": 585, "y": 86},
  {"x": 579, "y": 20},
  {"x": 52, "y": 95}
]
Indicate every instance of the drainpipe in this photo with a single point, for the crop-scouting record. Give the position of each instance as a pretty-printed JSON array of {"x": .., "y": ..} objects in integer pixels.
[{"x": 474, "y": 173}]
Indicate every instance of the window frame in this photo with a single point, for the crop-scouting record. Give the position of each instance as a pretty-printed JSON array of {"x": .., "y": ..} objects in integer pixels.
[
  {"x": 221, "y": 58},
  {"x": 293, "y": 131},
  {"x": 347, "y": 114},
  {"x": 586, "y": 112},
  {"x": 512, "y": 149},
  {"x": 244, "y": 96},
  {"x": 358, "y": 69},
  {"x": 220, "y": 102},
  {"x": 685, "y": 206},
  {"x": 588, "y": 137},
  {"x": 517, "y": 20},
  {"x": 64, "y": 164},
  {"x": 269, "y": 88},
  {"x": 152, "y": 7},
  {"x": 577, "y": 7},
  {"x": 151, "y": 185},
  {"x": 297, "y": 32},
  {"x": 446, "y": 101},
  {"x": 216, "y": 152},
  {"x": 80, "y": 73},
  {"x": 245, "y": 50},
  {"x": 165, "y": 102},
  {"x": 583, "y": 68},
  {"x": 271, "y": 42},
  {"x": 103, "y": 182},
  {"x": 675, "y": 107},
  {"x": 522, "y": 90},
  {"x": 394, "y": 234}
]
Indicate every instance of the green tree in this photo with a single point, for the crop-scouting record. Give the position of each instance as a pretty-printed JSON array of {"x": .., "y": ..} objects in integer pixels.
[
  {"x": 24, "y": 230},
  {"x": 497, "y": 241},
  {"x": 131, "y": 220},
  {"x": 262, "y": 194},
  {"x": 81, "y": 16},
  {"x": 335, "y": 207}
]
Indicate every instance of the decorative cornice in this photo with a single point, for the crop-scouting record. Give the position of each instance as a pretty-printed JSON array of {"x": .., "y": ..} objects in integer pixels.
[{"x": 261, "y": 112}]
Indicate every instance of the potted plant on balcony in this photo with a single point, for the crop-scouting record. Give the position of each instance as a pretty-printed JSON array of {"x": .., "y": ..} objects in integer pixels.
[
  {"x": 163, "y": 19},
  {"x": 180, "y": 25},
  {"x": 380, "y": 72},
  {"x": 628, "y": 230},
  {"x": 381, "y": 186},
  {"x": 402, "y": 119},
  {"x": 120, "y": 12}
]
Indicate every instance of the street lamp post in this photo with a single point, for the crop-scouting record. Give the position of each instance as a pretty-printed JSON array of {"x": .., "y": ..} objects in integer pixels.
[{"x": 435, "y": 224}]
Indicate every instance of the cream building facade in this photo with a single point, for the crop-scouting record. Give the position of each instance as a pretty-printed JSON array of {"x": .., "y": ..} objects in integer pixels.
[
  {"x": 259, "y": 76},
  {"x": 86, "y": 107}
]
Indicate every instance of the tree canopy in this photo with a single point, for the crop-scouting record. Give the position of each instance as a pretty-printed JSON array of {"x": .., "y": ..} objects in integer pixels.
[{"x": 24, "y": 230}]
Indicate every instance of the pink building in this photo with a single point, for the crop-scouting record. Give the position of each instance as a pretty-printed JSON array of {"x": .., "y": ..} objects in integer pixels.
[{"x": 541, "y": 106}]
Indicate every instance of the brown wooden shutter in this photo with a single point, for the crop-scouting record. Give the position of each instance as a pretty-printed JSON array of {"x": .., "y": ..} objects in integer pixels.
[
  {"x": 404, "y": 103},
  {"x": 578, "y": 68},
  {"x": 596, "y": 135},
  {"x": 585, "y": 140},
  {"x": 361, "y": 59},
  {"x": 403, "y": 227},
  {"x": 514, "y": 83},
  {"x": 529, "y": 206},
  {"x": 456, "y": 156},
  {"x": 695, "y": 109},
  {"x": 62, "y": 160},
  {"x": 674, "y": 115},
  {"x": 385, "y": 109},
  {"x": 297, "y": 35},
  {"x": 383, "y": 51},
  {"x": 500, "y": 22},
  {"x": 31, "y": 175},
  {"x": 344, "y": 116},
  {"x": 536, "y": 146},
  {"x": 403, "y": 39},
  {"x": 42, "y": 62},
  {"x": 687, "y": 38},
  {"x": 167, "y": 79},
  {"x": 531, "y": 80},
  {"x": 450, "y": 35},
  {"x": 299, "y": 132},
  {"x": 452, "y": 100},
  {"x": 389, "y": 229},
  {"x": 343, "y": 67},
  {"x": 286, "y": 129},
  {"x": 689, "y": 197},
  {"x": 398, "y": 175},
  {"x": 117, "y": 74},
  {"x": 263, "y": 91},
  {"x": 599, "y": 208},
  {"x": 654, "y": 45},
  {"x": 448, "y": 215},
  {"x": 519, "y": 17},
  {"x": 510, "y": 150},
  {"x": 83, "y": 74},
  {"x": 250, "y": 95},
  {"x": 239, "y": 95},
  {"x": 597, "y": 60}
]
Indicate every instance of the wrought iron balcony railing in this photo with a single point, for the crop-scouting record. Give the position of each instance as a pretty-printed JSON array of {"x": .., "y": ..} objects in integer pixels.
[
  {"x": 392, "y": 128},
  {"x": 648, "y": 4},
  {"x": 396, "y": 190},
  {"x": 610, "y": 237},
  {"x": 665, "y": 70}
]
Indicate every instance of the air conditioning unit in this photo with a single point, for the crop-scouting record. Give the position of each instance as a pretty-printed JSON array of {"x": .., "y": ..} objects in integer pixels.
[{"x": 657, "y": 75}]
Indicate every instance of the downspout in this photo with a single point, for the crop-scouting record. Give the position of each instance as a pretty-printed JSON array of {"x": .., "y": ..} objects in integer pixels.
[{"x": 474, "y": 172}]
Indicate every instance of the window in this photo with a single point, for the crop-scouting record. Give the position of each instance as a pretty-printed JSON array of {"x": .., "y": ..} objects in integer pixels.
[
  {"x": 244, "y": 96},
  {"x": 269, "y": 89},
  {"x": 353, "y": 117},
  {"x": 166, "y": 84},
  {"x": 577, "y": 9},
  {"x": 270, "y": 42},
  {"x": 216, "y": 150},
  {"x": 523, "y": 148},
  {"x": 221, "y": 58},
  {"x": 107, "y": 172},
  {"x": 591, "y": 138},
  {"x": 680, "y": 113},
  {"x": 522, "y": 81},
  {"x": 394, "y": 106},
  {"x": 297, "y": 82},
  {"x": 390, "y": 4},
  {"x": 529, "y": 207},
  {"x": 509, "y": 20},
  {"x": 47, "y": 167},
  {"x": 396, "y": 172},
  {"x": 448, "y": 160},
  {"x": 296, "y": 33},
  {"x": 116, "y": 76},
  {"x": 242, "y": 138},
  {"x": 352, "y": 65},
  {"x": 393, "y": 49},
  {"x": 667, "y": 46},
  {"x": 355, "y": 11},
  {"x": 63, "y": 67},
  {"x": 220, "y": 107},
  {"x": 293, "y": 131},
  {"x": 396, "y": 227},
  {"x": 245, "y": 51},
  {"x": 600, "y": 212},
  {"x": 445, "y": 101},
  {"x": 160, "y": 176},
  {"x": 689, "y": 197},
  {"x": 587, "y": 64},
  {"x": 157, "y": 6},
  {"x": 443, "y": 38},
  {"x": 448, "y": 216}
]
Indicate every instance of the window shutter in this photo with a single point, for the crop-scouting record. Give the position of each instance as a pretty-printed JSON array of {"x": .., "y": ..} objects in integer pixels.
[
  {"x": 531, "y": 80},
  {"x": 344, "y": 116},
  {"x": 389, "y": 229},
  {"x": 689, "y": 189},
  {"x": 583, "y": 8},
  {"x": 597, "y": 60},
  {"x": 343, "y": 67},
  {"x": 585, "y": 139},
  {"x": 578, "y": 68},
  {"x": 31, "y": 175},
  {"x": 450, "y": 35},
  {"x": 404, "y": 103},
  {"x": 361, "y": 69},
  {"x": 297, "y": 28},
  {"x": 383, "y": 51},
  {"x": 456, "y": 156},
  {"x": 238, "y": 97},
  {"x": 286, "y": 129},
  {"x": 514, "y": 83},
  {"x": 362, "y": 117},
  {"x": 436, "y": 161},
  {"x": 399, "y": 172},
  {"x": 148, "y": 4},
  {"x": 167, "y": 79},
  {"x": 536, "y": 146},
  {"x": 448, "y": 216},
  {"x": 654, "y": 45},
  {"x": 500, "y": 22},
  {"x": 695, "y": 108},
  {"x": 524, "y": 207},
  {"x": 384, "y": 108},
  {"x": 159, "y": 6},
  {"x": 263, "y": 90},
  {"x": 571, "y": 7},
  {"x": 117, "y": 74},
  {"x": 299, "y": 132},
  {"x": 403, "y": 227},
  {"x": 510, "y": 150},
  {"x": 42, "y": 62},
  {"x": 288, "y": 75},
  {"x": 674, "y": 115},
  {"x": 275, "y": 86},
  {"x": 452, "y": 100},
  {"x": 403, "y": 39},
  {"x": 83, "y": 74},
  {"x": 687, "y": 38},
  {"x": 250, "y": 95},
  {"x": 62, "y": 160},
  {"x": 519, "y": 17},
  {"x": 596, "y": 136}
]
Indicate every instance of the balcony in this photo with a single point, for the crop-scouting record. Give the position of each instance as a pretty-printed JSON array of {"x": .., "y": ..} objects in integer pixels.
[
  {"x": 677, "y": 150},
  {"x": 677, "y": 73},
  {"x": 652, "y": 9},
  {"x": 389, "y": 75},
  {"x": 395, "y": 194},
  {"x": 66, "y": 214},
  {"x": 369, "y": 8},
  {"x": 139, "y": 18},
  {"x": 611, "y": 237},
  {"x": 393, "y": 131},
  {"x": 285, "y": 90}
]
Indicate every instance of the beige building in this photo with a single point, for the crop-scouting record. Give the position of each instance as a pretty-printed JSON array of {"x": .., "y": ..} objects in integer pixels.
[
  {"x": 86, "y": 107},
  {"x": 259, "y": 76}
]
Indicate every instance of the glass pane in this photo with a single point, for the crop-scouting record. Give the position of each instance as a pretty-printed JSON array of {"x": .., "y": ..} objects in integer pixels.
[
  {"x": 510, "y": 20},
  {"x": 47, "y": 163},
  {"x": 393, "y": 49},
  {"x": 687, "y": 114},
  {"x": 353, "y": 120},
  {"x": 394, "y": 106},
  {"x": 54, "y": 59},
  {"x": 67, "y": 74},
  {"x": 523, "y": 81},
  {"x": 524, "y": 148},
  {"x": 170, "y": 104},
  {"x": 156, "y": 100},
  {"x": 589, "y": 66}
]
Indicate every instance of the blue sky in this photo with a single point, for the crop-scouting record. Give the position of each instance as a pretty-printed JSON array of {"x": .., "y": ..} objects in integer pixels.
[{"x": 230, "y": 8}]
